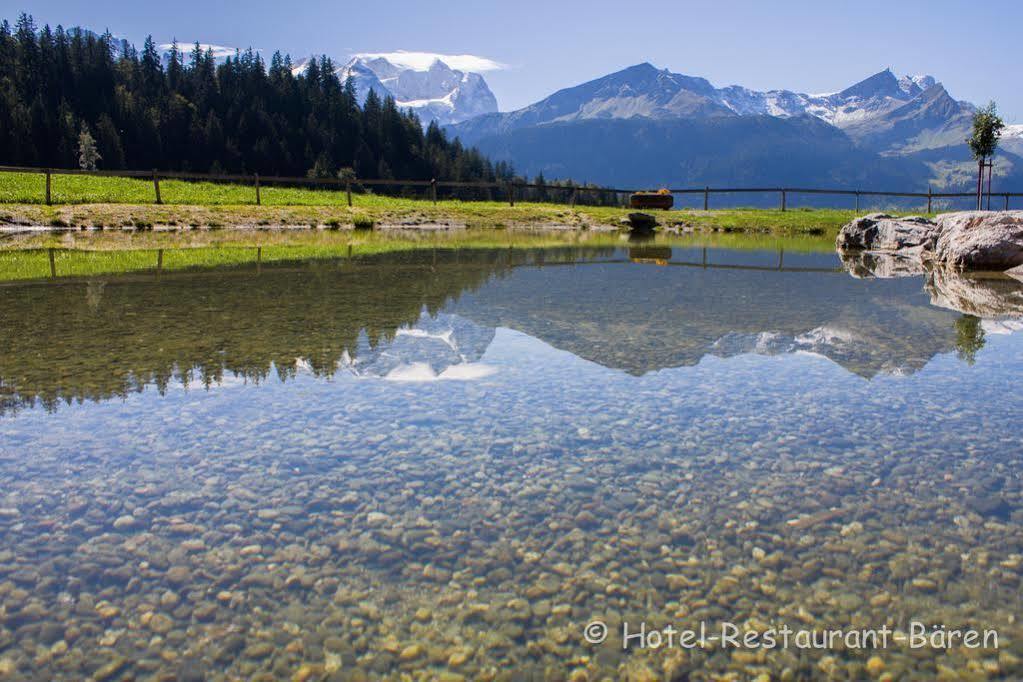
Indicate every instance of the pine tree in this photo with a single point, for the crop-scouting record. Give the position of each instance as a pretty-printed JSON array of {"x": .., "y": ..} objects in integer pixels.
[
  {"x": 88, "y": 154},
  {"x": 240, "y": 116}
]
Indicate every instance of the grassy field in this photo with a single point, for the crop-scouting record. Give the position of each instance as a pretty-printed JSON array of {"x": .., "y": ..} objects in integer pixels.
[
  {"x": 78, "y": 254},
  {"x": 94, "y": 202}
]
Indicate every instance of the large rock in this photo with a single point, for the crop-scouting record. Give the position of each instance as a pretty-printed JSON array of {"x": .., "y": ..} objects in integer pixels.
[
  {"x": 882, "y": 232},
  {"x": 980, "y": 240}
]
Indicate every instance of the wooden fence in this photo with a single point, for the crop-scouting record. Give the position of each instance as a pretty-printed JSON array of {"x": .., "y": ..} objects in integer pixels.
[{"x": 510, "y": 190}]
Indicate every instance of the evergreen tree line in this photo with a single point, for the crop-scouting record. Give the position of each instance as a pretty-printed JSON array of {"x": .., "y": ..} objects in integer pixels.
[{"x": 71, "y": 98}]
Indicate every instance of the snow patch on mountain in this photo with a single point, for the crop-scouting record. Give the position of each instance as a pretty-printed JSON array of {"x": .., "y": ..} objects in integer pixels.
[
  {"x": 220, "y": 52},
  {"x": 422, "y": 61},
  {"x": 434, "y": 89},
  {"x": 881, "y": 93}
]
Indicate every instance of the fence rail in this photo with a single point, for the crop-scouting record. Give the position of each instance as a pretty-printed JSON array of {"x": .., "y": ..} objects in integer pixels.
[{"x": 509, "y": 188}]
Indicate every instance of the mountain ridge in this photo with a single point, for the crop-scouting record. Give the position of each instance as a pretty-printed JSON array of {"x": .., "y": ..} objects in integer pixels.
[
  {"x": 908, "y": 130},
  {"x": 439, "y": 93}
]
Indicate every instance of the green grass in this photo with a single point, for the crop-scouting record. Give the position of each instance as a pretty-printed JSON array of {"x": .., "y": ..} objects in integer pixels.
[{"x": 109, "y": 202}]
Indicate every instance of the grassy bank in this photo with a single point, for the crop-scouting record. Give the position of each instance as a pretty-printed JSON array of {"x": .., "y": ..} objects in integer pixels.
[
  {"x": 108, "y": 203},
  {"x": 85, "y": 254}
]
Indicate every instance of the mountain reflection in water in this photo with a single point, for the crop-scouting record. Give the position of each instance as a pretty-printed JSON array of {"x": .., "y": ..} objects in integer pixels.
[{"x": 434, "y": 309}]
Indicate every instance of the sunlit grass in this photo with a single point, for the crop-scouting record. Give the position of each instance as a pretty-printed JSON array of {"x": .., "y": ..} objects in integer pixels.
[{"x": 90, "y": 201}]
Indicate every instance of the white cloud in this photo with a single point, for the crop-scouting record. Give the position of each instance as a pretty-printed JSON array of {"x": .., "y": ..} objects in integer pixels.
[
  {"x": 421, "y": 61},
  {"x": 219, "y": 51}
]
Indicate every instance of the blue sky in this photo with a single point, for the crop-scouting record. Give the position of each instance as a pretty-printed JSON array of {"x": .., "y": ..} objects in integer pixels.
[{"x": 821, "y": 46}]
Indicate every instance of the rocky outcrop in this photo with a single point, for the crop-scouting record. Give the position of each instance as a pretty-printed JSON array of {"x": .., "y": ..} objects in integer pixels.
[
  {"x": 973, "y": 240},
  {"x": 980, "y": 240},
  {"x": 882, "y": 232}
]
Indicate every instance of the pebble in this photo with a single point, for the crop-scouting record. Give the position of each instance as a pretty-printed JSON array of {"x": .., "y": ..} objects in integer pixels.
[
  {"x": 875, "y": 666},
  {"x": 411, "y": 652},
  {"x": 125, "y": 522},
  {"x": 161, "y": 624},
  {"x": 178, "y": 575},
  {"x": 306, "y": 672},
  {"x": 111, "y": 669},
  {"x": 457, "y": 658},
  {"x": 377, "y": 519}
]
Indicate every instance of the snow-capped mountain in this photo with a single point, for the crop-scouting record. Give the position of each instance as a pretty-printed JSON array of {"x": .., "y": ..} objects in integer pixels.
[
  {"x": 435, "y": 90},
  {"x": 644, "y": 126},
  {"x": 643, "y": 91},
  {"x": 881, "y": 93}
]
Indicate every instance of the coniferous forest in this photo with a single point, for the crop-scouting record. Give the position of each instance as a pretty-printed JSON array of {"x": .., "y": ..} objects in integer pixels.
[{"x": 190, "y": 113}]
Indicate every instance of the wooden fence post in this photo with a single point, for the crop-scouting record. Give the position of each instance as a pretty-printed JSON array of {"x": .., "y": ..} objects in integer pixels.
[
  {"x": 433, "y": 190},
  {"x": 783, "y": 200},
  {"x": 930, "y": 196},
  {"x": 258, "y": 198},
  {"x": 48, "y": 201},
  {"x": 706, "y": 198},
  {"x": 575, "y": 190},
  {"x": 159, "y": 260},
  {"x": 53, "y": 264},
  {"x": 348, "y": 190},
  {"x": 259, "y": 259},
  {"x": 156, "y": 186},
  {"x": 511, "y": 194},
  {"x": 857, "y": 202}
]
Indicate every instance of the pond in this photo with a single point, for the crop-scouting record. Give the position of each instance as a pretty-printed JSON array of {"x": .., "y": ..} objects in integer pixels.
[{"x": 504, "y": 463}]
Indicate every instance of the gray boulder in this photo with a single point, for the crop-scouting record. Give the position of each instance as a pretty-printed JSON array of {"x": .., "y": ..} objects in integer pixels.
[
  {"x": 882, "y": 232},
  {"x": 980, "y": 240}
]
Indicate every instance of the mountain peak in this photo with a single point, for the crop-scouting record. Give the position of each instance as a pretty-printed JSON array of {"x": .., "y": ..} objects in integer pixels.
[
  {"x": 881, "y": 84},
  {"x": 434, "y": 90}
]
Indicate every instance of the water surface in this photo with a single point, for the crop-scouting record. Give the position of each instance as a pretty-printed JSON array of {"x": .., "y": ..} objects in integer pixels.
[{"x": 447, "y": 463}]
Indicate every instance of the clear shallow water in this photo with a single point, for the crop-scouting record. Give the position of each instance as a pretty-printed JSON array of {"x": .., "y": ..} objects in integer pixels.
[{"x": 443, "y": 464}]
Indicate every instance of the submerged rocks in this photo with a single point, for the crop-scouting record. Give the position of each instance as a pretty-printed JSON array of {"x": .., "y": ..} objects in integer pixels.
[{"x": 977, "y": 240}]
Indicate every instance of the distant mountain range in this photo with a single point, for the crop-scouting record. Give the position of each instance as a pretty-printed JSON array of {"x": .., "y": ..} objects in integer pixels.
[
  {"x": 644, "y": 126},
  {"x": 435, "y": 91},
  {"x": 648, "y": 127}
]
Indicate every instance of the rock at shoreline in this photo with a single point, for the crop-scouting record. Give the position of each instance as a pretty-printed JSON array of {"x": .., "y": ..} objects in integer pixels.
[
  {"x": 882, "y": 232},
  {"x": 980, "y": 240},
  {"x": 977, "y": 240},
  {"x": 640, "y": 222}
]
